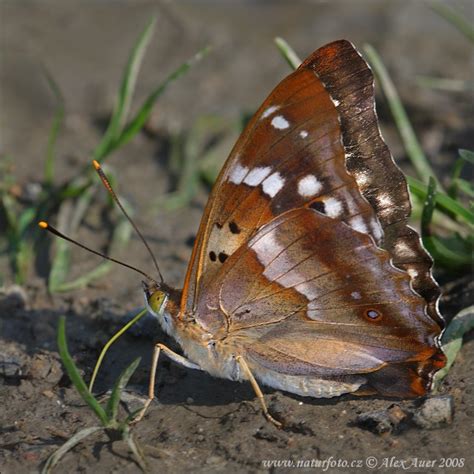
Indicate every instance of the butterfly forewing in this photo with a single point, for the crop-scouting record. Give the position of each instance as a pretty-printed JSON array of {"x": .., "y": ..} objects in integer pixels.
[{"x": 290, "y": 155}]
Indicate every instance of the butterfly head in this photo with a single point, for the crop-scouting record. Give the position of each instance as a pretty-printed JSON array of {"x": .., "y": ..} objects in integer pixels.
[{"x": 156, "y": 297}]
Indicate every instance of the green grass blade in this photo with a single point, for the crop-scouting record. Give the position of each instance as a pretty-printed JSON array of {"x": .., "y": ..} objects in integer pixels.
[
  {"x": 453, "y": 187},
  {"x": 447, "y": 256},
  {"x": 287, "y": 52},
  {"x": 120, "y": 237},
  {"x": 112, "y": 405},
  {"x": 68, "y": 222},
  {"x": 67, "y": 446},
  {"x": 442, "y": 200},
  {"x": 410, "y": 141},
  {"x": 135, "y": 448},
  {"x": 429, "y": 207},
  {"x": 109, "y": 343},
  {"x": 54, "y": 131},
  {"x": 75, "y": 376},
  {"x": 465, "y": 187},
  {"x": 119, "y": 116},
  {"x": 467, "y": 155},
  {"x": 83, "y": 281},
  {"x": 452, "y": 340},
  {"x": 459, "y": 21},
  {"x": 445, "y": 83},
  {"x": 145, "y": 110}
]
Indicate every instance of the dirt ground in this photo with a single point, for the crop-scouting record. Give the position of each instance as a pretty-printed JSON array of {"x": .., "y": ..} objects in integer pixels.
[{"x": 198, "y": 423}]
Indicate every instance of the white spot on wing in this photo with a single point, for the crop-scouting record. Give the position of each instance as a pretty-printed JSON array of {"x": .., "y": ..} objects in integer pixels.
[
  {"x": 272, "y": 185},
  {"x": 404, "y": 249},
  {"x": 335, "y": 102},
  {"x": 279, "y": 122},
  {"x": 377, "y": 231},
  {"x": 412, "y": 272},
  {"x": 332, "y": 207},
  {"x": 384, "y": 200},
  {"x": 270, "y": 111},
  {"x": 362, "y": 178},
  {"x": 303, "y": 134},
  {"x": 356, "y": 295},
  {"x": 307, "y": 290},
  {"x": 267, "y": 248},
  {"x": 358, "y": 224},
  {"x": 238, "y": 173},
  {"x": 257, "y": 175},
  {"x": 309, "y": 186}
]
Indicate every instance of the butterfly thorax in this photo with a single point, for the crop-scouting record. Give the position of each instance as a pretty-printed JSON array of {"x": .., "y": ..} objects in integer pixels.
[{"x": 212, "y": 352}]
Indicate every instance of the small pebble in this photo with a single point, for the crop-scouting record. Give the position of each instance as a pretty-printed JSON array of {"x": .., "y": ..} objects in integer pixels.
[
  {"x": 46, "y": 368},
  {"x": 13, "y": 297},
  {"x": 435, "y": 412},
  {"x": 382, "y": 421},
  {"x": 11, "y": 366}
]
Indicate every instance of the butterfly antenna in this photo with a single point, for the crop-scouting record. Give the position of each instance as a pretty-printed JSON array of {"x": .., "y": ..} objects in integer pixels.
[
  {"x": 108, "y": 186},
  {"x": 49, "y": 228}
]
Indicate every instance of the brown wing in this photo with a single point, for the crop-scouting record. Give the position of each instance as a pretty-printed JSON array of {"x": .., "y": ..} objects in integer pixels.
[
  {"x": 313, "y": 143},
  {"x": 308, "y": 295}
]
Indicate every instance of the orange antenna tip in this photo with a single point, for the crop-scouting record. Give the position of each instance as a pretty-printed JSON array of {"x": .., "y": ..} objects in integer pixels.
[
  {"x": 96, "y": 164},
  {"x": 43, "y": 224}
]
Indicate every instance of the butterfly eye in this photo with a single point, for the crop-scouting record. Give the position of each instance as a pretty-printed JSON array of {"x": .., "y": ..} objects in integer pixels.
[{"x": 373, "y": 314}]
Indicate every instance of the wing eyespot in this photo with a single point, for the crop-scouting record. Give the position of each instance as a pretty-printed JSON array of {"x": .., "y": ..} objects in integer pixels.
[
  {"x": 222, "y": 257},
  {"x": 373, "y": 314},
  {"x": 212, "y": 256}
]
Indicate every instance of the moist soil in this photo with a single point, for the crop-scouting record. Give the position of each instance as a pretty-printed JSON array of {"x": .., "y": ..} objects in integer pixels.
[{"x": 199, "y": 423}]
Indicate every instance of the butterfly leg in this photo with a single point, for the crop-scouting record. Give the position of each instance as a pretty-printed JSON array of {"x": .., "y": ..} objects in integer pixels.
[
  {"x": 257, "y": 391},
  {"x": 179, "y": 359}
]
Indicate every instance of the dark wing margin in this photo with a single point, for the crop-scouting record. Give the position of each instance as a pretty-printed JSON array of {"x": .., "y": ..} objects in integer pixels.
[{"x": 350, "y": 82}]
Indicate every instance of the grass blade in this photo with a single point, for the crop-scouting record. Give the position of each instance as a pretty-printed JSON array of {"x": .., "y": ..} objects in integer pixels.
[
  {"x": 67, "y": 224},
  {"x": 452, "y": 340},
  {"x": 54, "y": 132},
  {"x": 135, "y": 448},
  {"x": 456, "y": 19},
  {"x": 145, "y": 110},
  {"x": 410, "y": 141},
  {"x": 120, "y": 237},
  {"x": 429, "y": 207},
  {"x": 442, "y": 200},
  {"x": 444, "y": 255},
  {"x": 467, "y": 155},
  {"x": 445, "y": 84},
  {"x": 112, "y": 405},
  {"x": 75, "y": 376},
  {"x": 465, "y": 187},
  {"x": 119, "y": 116},
  {"x": 67, "y": 446},
  {"x": 287, "y": 52},
  {"x": 109, "y": 343}
]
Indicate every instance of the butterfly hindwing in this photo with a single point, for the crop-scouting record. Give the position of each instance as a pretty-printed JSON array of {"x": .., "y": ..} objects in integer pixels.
[{"x": 313, "y": 304}]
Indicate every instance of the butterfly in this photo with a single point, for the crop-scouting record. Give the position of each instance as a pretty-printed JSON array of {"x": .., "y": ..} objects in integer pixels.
[{"x": 304, "y": 275}]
